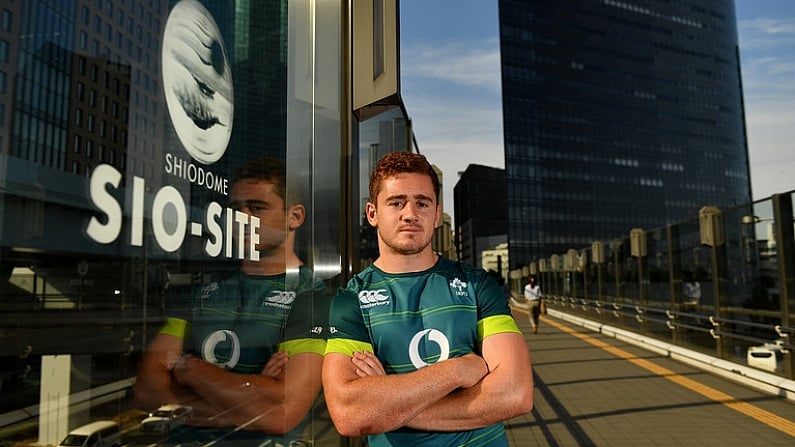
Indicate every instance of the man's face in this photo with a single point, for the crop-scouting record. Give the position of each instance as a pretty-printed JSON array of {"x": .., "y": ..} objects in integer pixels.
[
  {"x": 406, "y": 213},
  {"x": 257, "y": 198}
]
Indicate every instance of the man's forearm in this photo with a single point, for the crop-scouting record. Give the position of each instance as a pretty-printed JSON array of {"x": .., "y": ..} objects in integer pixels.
[
  {"x": 469, "y": 409},
  {"x": 393, "y": 400},
  {"x": 228, "y": 390},
  {"x": 505, "y": 392},
  {"x": 256, "y": 402}
]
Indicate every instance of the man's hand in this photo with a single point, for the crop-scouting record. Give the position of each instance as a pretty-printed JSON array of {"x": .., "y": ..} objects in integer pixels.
[
  {"x": 181, "y": 368},
  {"x": 472, "y": 369},
  {"x": 275, "y": 366},
  {"x": 367, "y": 364}
]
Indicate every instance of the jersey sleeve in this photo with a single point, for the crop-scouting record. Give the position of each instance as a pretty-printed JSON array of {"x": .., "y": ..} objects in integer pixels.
[
  {"x": 307, "y": 325},
  {"x": 348, "y": 333},
  {"x": 494, "y": 314},
  {"x": 180, "y": 304}
]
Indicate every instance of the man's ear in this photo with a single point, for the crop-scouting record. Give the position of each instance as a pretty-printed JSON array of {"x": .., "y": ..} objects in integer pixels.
[
  {"x": 370, "y": 212},
  {"x": 295, "y": 216}
]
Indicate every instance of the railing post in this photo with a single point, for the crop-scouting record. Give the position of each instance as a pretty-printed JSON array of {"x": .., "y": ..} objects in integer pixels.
[
  {"x": 674, "y": 273},
  {"x": 616, "y": 247},
  {"x": 712, "y": 235},
  {"x": 598, "y": 255},
  {"x": 637, "y": 244},
  {"x": 785, "y": 239},
  {"x": 554, "y": 267},
  {"x": 570, "y": 266}
]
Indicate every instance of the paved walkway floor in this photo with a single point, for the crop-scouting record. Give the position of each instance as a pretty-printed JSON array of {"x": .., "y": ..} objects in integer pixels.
[{"x": 594, "y": 390}]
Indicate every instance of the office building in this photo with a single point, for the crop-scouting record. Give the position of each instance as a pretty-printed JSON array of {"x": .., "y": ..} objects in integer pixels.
[
  {"x": 480, "y": 212},
  {"x": 617, "y": 114}
]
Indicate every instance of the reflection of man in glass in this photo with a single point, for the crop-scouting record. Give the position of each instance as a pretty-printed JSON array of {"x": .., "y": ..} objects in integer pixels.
[
  {"x": 249, "y": 352},
  {"x": 691, "y": 289}
]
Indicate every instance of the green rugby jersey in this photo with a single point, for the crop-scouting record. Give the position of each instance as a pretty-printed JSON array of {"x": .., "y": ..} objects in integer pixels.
[
  {"x": 411, "y": 320},
  {"x": 239, "y": 321}
]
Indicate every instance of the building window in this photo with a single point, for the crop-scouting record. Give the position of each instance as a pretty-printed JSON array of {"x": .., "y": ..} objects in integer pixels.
[
  {"x": 378, "y": 38},
  {"x": 5, "y": 20}
]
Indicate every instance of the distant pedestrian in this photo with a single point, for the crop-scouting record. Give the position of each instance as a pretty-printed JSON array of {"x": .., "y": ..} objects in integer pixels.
[{"x": 532, "y": 293}]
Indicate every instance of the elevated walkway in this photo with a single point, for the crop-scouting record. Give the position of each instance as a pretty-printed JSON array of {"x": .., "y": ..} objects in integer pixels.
[{"x": 601, "y": 386}]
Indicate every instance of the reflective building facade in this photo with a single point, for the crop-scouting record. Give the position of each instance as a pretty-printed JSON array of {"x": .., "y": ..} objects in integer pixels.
[
  {"x": 617, "y": 114},
  {"x": 123, "y": 127}
]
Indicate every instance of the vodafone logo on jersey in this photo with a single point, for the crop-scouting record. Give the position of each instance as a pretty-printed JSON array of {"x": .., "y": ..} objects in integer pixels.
[
  {"x": 222, "y": 344},
  {"x": 372, "y": 298},
  {"x": 424, "y": 338}
]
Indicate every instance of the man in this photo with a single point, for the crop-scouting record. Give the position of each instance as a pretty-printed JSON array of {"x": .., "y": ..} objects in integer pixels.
[
  {"x": 532, "y": 294},
  {"x": 248, "y": 354},
  {"x": 423, "y": 350}
]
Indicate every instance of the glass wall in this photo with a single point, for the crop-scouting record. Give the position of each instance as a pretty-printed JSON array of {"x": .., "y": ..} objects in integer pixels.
[
  {"x": 387, "y": 132},
  {"x": 721, "y": 284},
  {"x": 169, "y": 190}
]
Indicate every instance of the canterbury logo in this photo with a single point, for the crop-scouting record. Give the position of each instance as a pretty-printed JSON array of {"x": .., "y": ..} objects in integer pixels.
[
  {"x": 370, "y": 298},
  {"x": 208, "y": 290},
  {"x": 284, "y": 298}
]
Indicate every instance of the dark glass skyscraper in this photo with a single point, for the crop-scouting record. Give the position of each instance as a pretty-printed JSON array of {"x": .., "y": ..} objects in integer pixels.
[
  {"x": 481, "y": 220},
  {"x": 617, "y": 114}
]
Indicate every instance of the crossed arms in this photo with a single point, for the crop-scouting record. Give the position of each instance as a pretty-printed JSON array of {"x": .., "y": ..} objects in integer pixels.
[
  {"x": 272, "y": 402},
  {"x": 457, "y": 394}
]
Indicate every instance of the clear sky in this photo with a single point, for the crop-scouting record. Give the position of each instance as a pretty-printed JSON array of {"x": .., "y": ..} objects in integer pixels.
[{"x": 450, "y": 82}]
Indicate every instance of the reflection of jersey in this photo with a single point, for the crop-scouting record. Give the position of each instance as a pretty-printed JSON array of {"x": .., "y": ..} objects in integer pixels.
[
  {"x": 411, "y": 320},
  {"x": 239, "y": 321}
]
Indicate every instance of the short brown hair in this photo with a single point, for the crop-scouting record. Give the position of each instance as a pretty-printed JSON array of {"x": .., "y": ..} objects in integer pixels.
[
  {"x": 396, "y": 163},
  {"x": 271, "y": 170}
]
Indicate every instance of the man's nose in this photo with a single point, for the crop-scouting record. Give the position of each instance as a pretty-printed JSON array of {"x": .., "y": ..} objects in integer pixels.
[{"x": 410, "y": 212}]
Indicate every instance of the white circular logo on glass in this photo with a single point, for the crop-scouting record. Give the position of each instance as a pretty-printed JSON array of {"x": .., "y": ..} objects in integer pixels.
[
  {"x": 216, "y": 338},
  {"x": 433, "y": 335},
  {"x": 197, "y": 81}
]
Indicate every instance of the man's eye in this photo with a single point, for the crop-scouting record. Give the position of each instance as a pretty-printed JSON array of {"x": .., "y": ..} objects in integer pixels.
[
  {"x": 256, "y": 208},
  {"x": 396, "y": 203}
]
